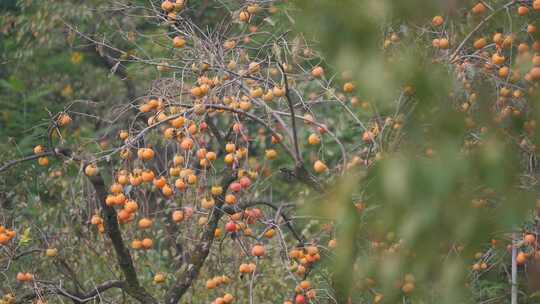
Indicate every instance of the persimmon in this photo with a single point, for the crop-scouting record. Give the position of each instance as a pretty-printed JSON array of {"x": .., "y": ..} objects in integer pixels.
[
  {"x": 51, "y": 252},
  {"x": 235, "y": 187},
  {"x": 258, "y": 251},
  {"x": 4, "y": 238},
  {"x": 521, "y": 258},
  {"x": 523, "y": 10},
  {"x": 348, "y": 87},
  {"x": 316, "y": 72},
  {"x": 207, "y": 203},
  {"x": 63, "y": 120},
  {"x": 300, "y": 299},
  {"x": 319, "y": 167},
  {"x": 43, "y": 161},
  {"x": 167, "y": 191},
  {"x": 523, "y": 48},
  {"x": 278, "y": 91},
  {"x": 270, "y": 154},
  {"x": 256, "y": 92},
  {"x": 192, "y": 179},
  {"x": 480, "y": 43},
  {"x": 230, "y": 199},
  {"x": 244, "y": 16},
  {"x": 536, "y": 60},
  {"x": 332, "y": 244},
  {"x": 122, "y": 179},
  {"x": 159, "y": 278},
  {"x": 268, "y": 96},
  {"x": 96, "y": 220},
  {"x": 254, "y": 67},
  {"x": 529, "y": 239},
  {"x": 437, "y": 21},
  {"x": 160, "y": 182},
  {"x": 123, "y": 216},
  {"x": 479, "y": 9},
  {"x": 136, "y": 244},
  {"x": 228, "y": 298},
  {"x": 408, "y": 288},
  {"x": 147, "y": 243},
  {"x": 177, "y": 216},
  {"x": 180, "y": 184},
  {"x": 131, "y": 206},
  {"x": 179, "y": 42},
  {"x": 305, "y": 285},
  {"x": 312, "y": 250},
  {"x": 38, "y": 149},
  {"x": 536, "y": 5},
  {"x": 314, "y": 139},
  {"x": 253, "y": 8},
  {"x": 535, "y": 73},
  {"x": 244, "y": 268},
  {"x": 167, "y": 6},
  {"x": 504, "y": 71},
  {"x": 270, "y": 233},
  {"x": 245, "y": 182},
  {"x": 497, "y": 59},
  {"x": 216, "y": 190},
  {"x": 135, "y": 180},
  {"x": 443, "y": 44},
  {"x": 230, "y": 226},
  {"x": 21, "y": 277},
  {"x": 116, "y": 188},
  {"x": 145, "y": 223},
  {"x": 186, "y": 144},
  {"x": 211, "y": 284}
]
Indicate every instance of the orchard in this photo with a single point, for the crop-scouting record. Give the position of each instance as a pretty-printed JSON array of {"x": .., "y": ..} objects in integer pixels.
[{"x": 269, "y": 151}]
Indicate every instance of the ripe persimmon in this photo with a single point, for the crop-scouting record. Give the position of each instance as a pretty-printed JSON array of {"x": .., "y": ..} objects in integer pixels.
[
  {"x": 63, "y": 119},
  {"x": 38, "y": 149},
  {"x": 179, "y": 42},
  {"x": 167, "y": 6},
  {"x": 316, "y": 72},
  {"x": 529, "y": 239},
  {"x": 479, "y": 8},
  {"x": 521, "y": 258},
  {"x": 147, "y": 243},
  {"x": 43, "y": 161},
  {"x": 314, "y": 139},
  {"x": 258, "y": 251},
  {"x": 437, "y": 21},
  {"x": 319, "y": 167},
  {"x": 145, "y": 223}
]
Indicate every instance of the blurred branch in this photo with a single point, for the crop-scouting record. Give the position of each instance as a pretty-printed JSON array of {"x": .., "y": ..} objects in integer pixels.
[{"x": 12, "y": 163}]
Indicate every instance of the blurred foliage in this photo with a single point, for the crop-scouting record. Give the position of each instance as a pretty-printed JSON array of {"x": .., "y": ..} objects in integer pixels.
[{"x": 429, "y": 205}]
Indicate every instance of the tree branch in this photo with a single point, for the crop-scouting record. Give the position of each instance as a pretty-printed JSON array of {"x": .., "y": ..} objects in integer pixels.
[
  {"x": 12, "y": 163},
  {"x": 124, "y": 260},
  {"x": 185, "y": 279},
  {"x": 299, "y": 161}
]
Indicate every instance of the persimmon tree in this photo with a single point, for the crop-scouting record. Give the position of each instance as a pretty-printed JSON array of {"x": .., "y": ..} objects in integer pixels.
[
  {"x": 191, "y": 164},
  {"x": 246, "y": 169}
]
